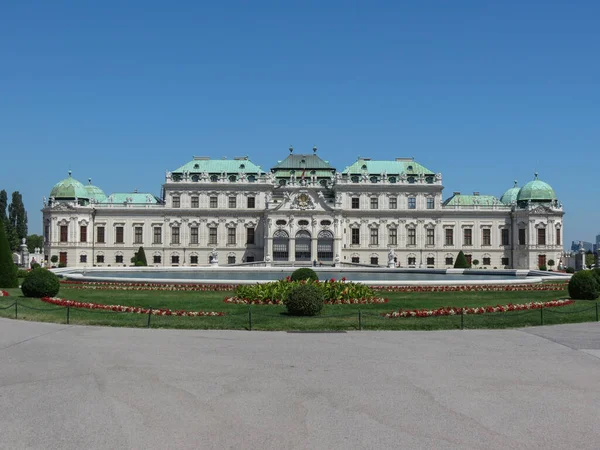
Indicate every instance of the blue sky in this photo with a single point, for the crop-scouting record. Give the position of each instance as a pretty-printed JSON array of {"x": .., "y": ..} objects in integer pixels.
[{"x": 484, "y": 92}]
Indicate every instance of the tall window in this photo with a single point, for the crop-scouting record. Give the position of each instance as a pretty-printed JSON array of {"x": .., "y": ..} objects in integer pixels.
[
  {"x": 411, "y": 238},
  {"x": 156, "y": 259},
  {"x": 522, "y": 239},
  {"x": 449, "y": 236},
  {"x": 249, "y": 235},
  {"x": 100, "y": 235},
  {"x": 119, "y": 259},
  {"x": 393, "y": 236},
  {"x": 393, "y": 203},
  {"x": 82, "y": 258},
  {"x": 119, "y": 238},
  {"x": 157, "y": 235},
  {"x": 213, "y": 202},
  {"x": 83, "y": 234},
  {"x": 412, "y": 203},
  {"x": 99, "y": 259},
  {"x": 137, "y": 235},
  {"x": 374, "y": 239},
  {"x": 355, "y": 236},
  {"x": 46, "y": 232},
  {"x": 251, "y": 202},
  {"x": 212, "y": 235},
  {"x": 505, "y": 238},
  {"x": 430, "y": 261},
  {"x": 467, "y": 236},
  {"x": 487, "y": 261},
  {"x": 430, "y": 202},
  {"x": 355, "y": 203},
  {"x": 193, "y": 235},
  {"x": 486, "y": 236},
  {"x": 64, "y": 233},
  {"x": 174, "y": 235},
  {"x": 231, "y": 236},
  {"x": 176, "y": 201},
  {"x": 430, "y": 236},
  {"x": 374, "y": 203},
  {"x": 232, "y": 202},
  {"x": 174, "y": 259},
  {"x": 231, "y": 259},
  {"x": 195, "y": 202},
  {"x": 193, "y": 259},
  {"x": 558, "y": 236},
  {"x": 541, "y": 235},
  {"x": 449, "y": 261}
]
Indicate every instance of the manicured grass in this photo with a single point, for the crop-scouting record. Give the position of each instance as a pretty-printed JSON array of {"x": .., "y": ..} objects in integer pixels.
[{"x": 334, "y": 317}]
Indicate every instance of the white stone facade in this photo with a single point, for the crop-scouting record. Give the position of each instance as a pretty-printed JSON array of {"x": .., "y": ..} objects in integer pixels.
[{"x": 340, "y": 220}]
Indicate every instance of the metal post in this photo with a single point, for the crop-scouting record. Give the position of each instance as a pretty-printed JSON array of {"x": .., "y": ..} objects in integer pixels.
[
  {"x": 149, "y": 316},
  {"x": 462, "y": 318},
  {"x": 68, "y": 313},
  {"x": 542, "y": 316},
  {"x": 359, "y": 320},
  {"x": 250, "y": 318}
]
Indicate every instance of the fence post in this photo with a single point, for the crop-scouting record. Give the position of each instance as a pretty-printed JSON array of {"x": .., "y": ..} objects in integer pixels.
[
  {"x": 542, "y": 315},
  {"x": 68, "y": 313},
  {"x": 16, "y": 307},
  {"x": 359, "y": 320},
  {"x": 462, "y": 318},
  {"x": 250, "y": 318},
  {"x": 149, "y": 316}
]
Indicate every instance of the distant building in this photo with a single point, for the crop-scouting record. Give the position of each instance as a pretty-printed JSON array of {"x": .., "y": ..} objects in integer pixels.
[
  {"x": 587, "y": 246},
  {"x": 299, "y": 211}
]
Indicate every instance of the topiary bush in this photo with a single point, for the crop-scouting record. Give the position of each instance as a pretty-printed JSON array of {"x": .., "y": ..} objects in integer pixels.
[
  {"x": 304, "y": 300},
  {"x": 570, "y": 270},
  {"x": 461, "y": 261},
  {"x": 584, "y": 286},
  {"x": 543, "y": 268},
  {"x": 40, "y": 283},
  {"x": 304, "y": 274}
]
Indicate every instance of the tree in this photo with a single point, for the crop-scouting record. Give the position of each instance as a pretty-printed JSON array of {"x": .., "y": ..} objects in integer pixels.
[
  {"x": 140, "y": 258},
  {"x": 589, "y": 260},
  {"x": 3, "y": 205},
  {"x": 17, "y": 218},
  {"x": 33, "y": 241},
  {"x": 551, "y": 263},
  {"x": 475, "y": 262},
  {"x": 461, "y": 261},
  {"x": 8, "y": 269}
]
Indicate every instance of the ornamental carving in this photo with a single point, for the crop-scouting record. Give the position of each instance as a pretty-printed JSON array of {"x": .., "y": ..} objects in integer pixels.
[{"x": 302, "y": 201}]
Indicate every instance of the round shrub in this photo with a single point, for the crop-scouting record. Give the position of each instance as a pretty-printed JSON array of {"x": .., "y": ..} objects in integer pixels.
[
  {"x": 35, "y": 266},
  {"x": 40, "y": 283},
  {"x": 304, "y": 274},
  {"x": 596, "y": 272},
  {"x": 22, "y": 273},
  {"x": 305, "y": 300},
  {"x": 584, "y": 286},
  {"x": 570, "y": 270}
]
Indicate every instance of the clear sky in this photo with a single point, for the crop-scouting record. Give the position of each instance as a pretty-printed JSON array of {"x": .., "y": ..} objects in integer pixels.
[{"x": 484, "y": 92}]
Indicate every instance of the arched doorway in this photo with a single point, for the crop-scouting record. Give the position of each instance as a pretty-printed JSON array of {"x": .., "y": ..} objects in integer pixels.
[
  {"x": 325, "y": 246},
  {"x": 303, "y": 241},
  {"x": 281, "y": 246}
]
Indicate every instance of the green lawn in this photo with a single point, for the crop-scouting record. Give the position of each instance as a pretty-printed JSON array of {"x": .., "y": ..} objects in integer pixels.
[{"x": 334, "y": 317}]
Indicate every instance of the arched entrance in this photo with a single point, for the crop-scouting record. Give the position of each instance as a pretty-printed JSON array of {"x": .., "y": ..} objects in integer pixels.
[
  {"x": 303, "y": 241},
  {"x": 281, "y": 246},
  {"x": 325, "y": 246}
]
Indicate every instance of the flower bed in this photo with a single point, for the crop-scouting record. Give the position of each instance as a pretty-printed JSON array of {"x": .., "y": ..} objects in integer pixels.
[
  {"x": 475, "y": 288},
  {"x": 130, "y": 309},
  {"x": 4, "y": 293},
  {"x": 114, "y": 286},
  {"x": 453, "y": 310},
  {"x": 349, "y": 301}
]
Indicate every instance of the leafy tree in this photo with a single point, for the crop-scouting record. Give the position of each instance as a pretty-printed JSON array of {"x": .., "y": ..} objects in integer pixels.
[
  {"x": 461, "y": 261},
  {"x": 589, "y": 260},
  {"x": 551, "y": 263},
  {"x": 3, "y": 205},
  {"x": 33, "y": 241},
  {"x": 17, "y": 219},
  {"x": 8, "y": 269}
]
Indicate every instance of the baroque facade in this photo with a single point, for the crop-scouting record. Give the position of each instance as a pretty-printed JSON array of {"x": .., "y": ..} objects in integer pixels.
[{"x": 300, "y": 211}]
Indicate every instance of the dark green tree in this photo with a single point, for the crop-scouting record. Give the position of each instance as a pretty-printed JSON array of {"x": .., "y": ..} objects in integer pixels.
[
  {"x": 33, "y": 241},
  {"x": 3, "y": 205},
  {"x": 140, "y": 258},
  {"x": 461, "y": 261},
  {"x": 8, "y": 269},
  {"x": 17, "y": 217}
]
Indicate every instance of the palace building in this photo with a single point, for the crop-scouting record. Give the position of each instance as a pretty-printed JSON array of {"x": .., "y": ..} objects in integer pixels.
[{"x": 300, "y": 211}]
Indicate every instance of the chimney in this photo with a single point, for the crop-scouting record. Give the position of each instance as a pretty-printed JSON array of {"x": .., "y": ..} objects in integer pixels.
[{"x": 456, "y": 193}]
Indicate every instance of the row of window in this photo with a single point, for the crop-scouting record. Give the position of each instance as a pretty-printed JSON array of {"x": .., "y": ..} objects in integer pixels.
[
  {"x": 157, "y": 235},
  {"x": 393, "y": 203},
  {"x": 157, "y": 259},
  {"x": 213, "y": 202},
  {"x": 430, "y": 260}
]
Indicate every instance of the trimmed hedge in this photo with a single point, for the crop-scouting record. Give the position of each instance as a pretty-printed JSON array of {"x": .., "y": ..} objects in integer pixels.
[
  {"x": 584, "y": 286},
  {"x": 305, "y": 300},
  {"x": 304, "y": 274},
  {"x": 40, "y": 283},
  {"x": 461, "y": 261}
]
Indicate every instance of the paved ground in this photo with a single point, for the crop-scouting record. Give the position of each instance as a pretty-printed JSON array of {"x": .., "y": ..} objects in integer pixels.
[{"x": 71, "y": 387}]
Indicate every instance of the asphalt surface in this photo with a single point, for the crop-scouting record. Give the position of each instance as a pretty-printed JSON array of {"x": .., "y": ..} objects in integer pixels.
[{"x": 74, "y": 387}]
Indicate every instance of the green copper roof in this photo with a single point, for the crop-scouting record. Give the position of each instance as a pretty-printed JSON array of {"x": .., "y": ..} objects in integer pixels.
[
  {"x": 238, "y": 165},
  {"x": 307, "y": 174},
  {"x": 510, "y": 195},
  {"x": 471, "y": 200},
  {"x": 397, "y": 167},
  {"x": 536, "y": 191},
  {"x": 94, "y": 192},
  {"x": 69, "y": 188},
  {"x": 300, "y": 161},
  {"x": 131, "y": 197}
]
